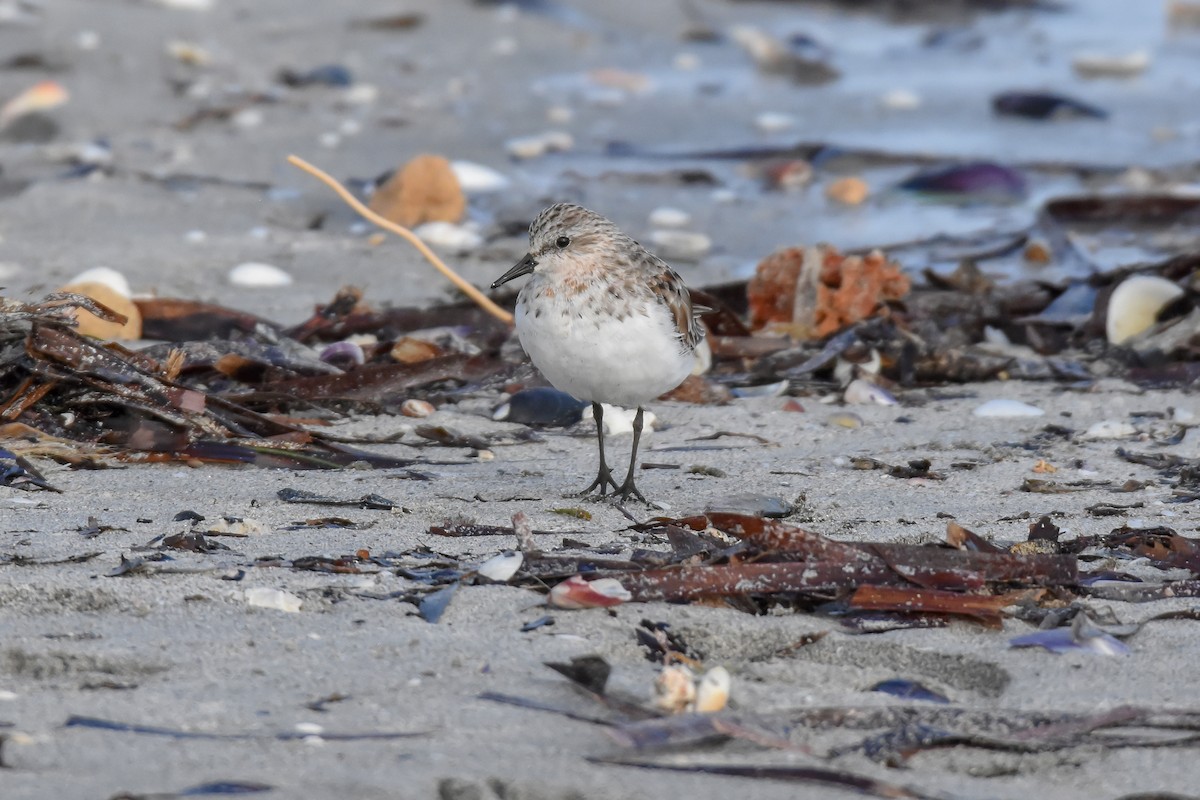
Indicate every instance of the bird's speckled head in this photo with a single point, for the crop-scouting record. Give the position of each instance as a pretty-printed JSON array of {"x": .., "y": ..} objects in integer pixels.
[{"x": 566, "y": 236}]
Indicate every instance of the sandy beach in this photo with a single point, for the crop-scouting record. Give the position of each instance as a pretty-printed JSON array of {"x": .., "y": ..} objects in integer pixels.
[{"x": 354, "y": 695}]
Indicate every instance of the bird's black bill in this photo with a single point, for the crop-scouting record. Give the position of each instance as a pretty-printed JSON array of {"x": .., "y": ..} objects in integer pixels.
[{"x": 523, "y": 267}]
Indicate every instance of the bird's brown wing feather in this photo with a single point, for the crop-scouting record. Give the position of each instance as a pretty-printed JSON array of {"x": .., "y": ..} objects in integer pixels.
[{"x": 669, "y": 289}]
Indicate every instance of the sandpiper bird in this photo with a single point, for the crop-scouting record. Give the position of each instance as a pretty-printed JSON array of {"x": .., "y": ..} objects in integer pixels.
[{"x": 603, "y": 319}]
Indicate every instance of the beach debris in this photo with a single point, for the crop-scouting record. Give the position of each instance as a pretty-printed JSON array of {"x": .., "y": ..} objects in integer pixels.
[
  {"x": 17, "y": 473},
  {"x": 501, "y": 567},
  {"x": 540, "y": 622},
  {"x": 537, "y": 145},
  {"x": 851, "y": 191},
  {"x": 126, "y": 321},
  {"x": 812, "y": 292},
  {"x": 1006, "y": 408},
  {"x": 344, "y": 355},
  {"x": 675, "y": 689},
  {"x": 1109, "y": 429},
  {"x": 433, "y": 605},
  {"x": 909, "y": 690},
  {"x": 478, "y": 179},
  {"x": 1044, "y": 105},
  {"x": 1135, "y": 305},
  {"x": 541, "y": 406},
  {"x": 42, "y": 96},
  {"x": 450, "y": 237},
  {"x": 426, "y": 189},
  {"x": 668, "y": 217},
  {"x": 678, "y": 245},
  {"x": 1107, "y": 65},
  {"x": 1082, "y": 635},
  {"x": 712, "y": 691},
  {"x": 335, "y": 75},
  {"x": 277, "y": 599},
  {"x": 576, "y": 592},
  {"x": 773, "y": 56},
  {"x": 774, "y": 121},
  {"x": 367, "y": 501},
  {"x": 977, "y": 181},
  {"x": 417, "y": 408},
  {"x": 864, "y": 392},
  {"x": 113, "y": 726},
  {"x": 256, "y": 275}
]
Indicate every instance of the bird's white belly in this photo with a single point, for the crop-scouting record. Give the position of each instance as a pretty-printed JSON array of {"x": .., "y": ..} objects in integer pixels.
[{"x": 599, "y": 358}]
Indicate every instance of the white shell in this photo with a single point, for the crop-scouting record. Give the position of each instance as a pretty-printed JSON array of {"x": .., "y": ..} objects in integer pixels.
[
  {"x": 1134, "y": 306},
  {"x": 667, "y": 217},
  {"x": 266, "y": 597},
  {"x": 259, "y": 276},
  {"x": 674, "y": 688},
  {"x": 901, "y": 100},
  {"x": 712, "y": 694},
  {"x": 448, "y": 236},
  {"x": 1110, "y": 429},
  {"x": 682, "y": 245},
  {"x": 478, "y": 179},
  {"x": 862, "y": 393},
  {"x": 1003, "y": 407},
  {"x": 1103, "y": 65},
  {"x": 104, "y": 275},
  {"x": 539, "y": 144},
  {"x": 774, "y": 121},
  {"x": 501, "y": 567}
]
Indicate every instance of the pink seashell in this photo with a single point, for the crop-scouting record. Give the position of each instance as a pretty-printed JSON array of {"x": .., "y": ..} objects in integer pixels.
[{"x": 575, "y": 592}]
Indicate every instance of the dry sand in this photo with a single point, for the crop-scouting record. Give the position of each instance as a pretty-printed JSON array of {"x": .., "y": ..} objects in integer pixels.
[{"x": 185, "y": 651}]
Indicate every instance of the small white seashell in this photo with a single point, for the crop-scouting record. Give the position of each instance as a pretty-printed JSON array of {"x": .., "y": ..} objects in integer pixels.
[
  {"x": 774, "y": 121},
  {"x": 619, "y": 421},
  {"x": 478, "y": 179},
  {"x": 1004, "y": 407},
  {"x": 1134, "y": 306},
  {"x": 311, "y": 728},
  {"x": 713, "y": 692},
  {"x": 762, "y": 390},
  {"x": 667, "y": 217},
  {"x": 6, "y": 694},
  {"x": 195, "y": 237},
  {"x": 861, "y": 393},
  {"x": 233, "y": 525},
  {"x": 87, "y": 40},
  {"x": 104, "y": 275},
  {"x": 575, "y": 592},
  {"x": 674, "y": 688},
  {"x": 416, "y": 408},
  {"x": 1102, "y": 65},
  {"x": 901, "y": 100},
  {"x": 266, "y": 597},
  {"x": 258, "y": 276},
  {"x": 449, "y": 236},
  {"x": 500, "y": 568},
  {"x": 360, "y": 94},
  {"x": 559, "y": 115},
  {"x": 247, "y": 118},
  {"x": 526, "y": 147},
  {"x": 681, "y": 245},
  {"x": 1110, "y": 429}
]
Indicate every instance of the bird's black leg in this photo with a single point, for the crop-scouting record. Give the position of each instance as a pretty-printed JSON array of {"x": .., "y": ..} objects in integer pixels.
[
  {"x": 604, "y": 477},
  {"x": 627, "y": 488}
]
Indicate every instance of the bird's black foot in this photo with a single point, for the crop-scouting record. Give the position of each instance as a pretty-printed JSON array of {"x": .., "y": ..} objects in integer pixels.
[
  {"x": 604, "y": 479},
  {"x": 628, "y": 488}
]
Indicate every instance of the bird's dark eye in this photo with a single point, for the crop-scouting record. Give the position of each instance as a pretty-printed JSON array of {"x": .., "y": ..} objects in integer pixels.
[{"x": 562, "y": 242}]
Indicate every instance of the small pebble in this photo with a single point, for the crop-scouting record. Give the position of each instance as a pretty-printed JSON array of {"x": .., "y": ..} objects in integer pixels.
[
  {"x": 667, "y": 217},
  {"x": 195, "y": 237},
  {"x": 1003, "y": 407},
  {"x": 361, "y": 94},
  {"x": 259, "y": 276},
  {"x": 681, "y": 245},
  {"x": 846, "y": 419}
]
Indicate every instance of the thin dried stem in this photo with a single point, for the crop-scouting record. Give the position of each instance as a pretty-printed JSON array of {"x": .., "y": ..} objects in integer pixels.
[{"x": 464, "y": 286}]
